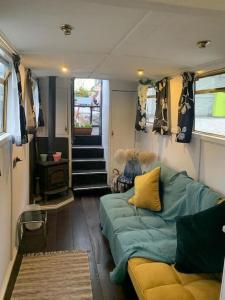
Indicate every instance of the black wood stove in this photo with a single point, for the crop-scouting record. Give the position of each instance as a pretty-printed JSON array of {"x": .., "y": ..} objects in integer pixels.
[{"x": 54, "y": 177}]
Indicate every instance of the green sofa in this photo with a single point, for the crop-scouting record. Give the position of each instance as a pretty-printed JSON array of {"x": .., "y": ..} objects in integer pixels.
[{"x": 134, "y": 232}]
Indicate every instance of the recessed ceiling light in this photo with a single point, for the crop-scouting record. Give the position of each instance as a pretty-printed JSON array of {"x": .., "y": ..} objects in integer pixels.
[
  {"x": 66, "y": 28},
  {"x": 200, "y": 72},
  {"x": 203, "y": 44},
  {"x": 140, "y": 72},
  {"x": 65, "y": 69}
]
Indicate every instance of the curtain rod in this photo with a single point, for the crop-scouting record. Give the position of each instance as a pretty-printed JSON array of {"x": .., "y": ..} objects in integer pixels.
[{"x": 5, "y": 45}]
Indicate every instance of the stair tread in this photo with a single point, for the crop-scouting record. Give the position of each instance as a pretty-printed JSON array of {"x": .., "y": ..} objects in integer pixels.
[
  {"x": 93, "y": 171},
  {"x": 87, "y": 136},
  {"x": 88, "y": 159},
  {"x": 87, "y": 140},
  {"x": 90, "y": 186},
  {"x": 87, "y": 146}
]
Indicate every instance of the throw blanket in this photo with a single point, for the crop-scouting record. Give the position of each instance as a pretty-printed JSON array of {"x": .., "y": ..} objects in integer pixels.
[{"x": 134, "y": 232}]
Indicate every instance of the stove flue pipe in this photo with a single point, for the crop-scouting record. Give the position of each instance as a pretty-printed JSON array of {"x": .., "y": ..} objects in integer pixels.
[{"x": 51, "y": 116}]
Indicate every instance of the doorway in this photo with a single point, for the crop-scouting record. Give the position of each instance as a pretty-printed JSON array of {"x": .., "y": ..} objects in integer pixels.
[{"x": 87, "y": 107}]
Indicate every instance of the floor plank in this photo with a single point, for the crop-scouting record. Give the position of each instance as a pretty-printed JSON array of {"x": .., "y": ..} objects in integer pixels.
[
  {"x": 77, "y": 226},
  {"x": 64, "y": 229},
  {"x": 51, "y": 230},
  {"x": 81, "y": 238}
]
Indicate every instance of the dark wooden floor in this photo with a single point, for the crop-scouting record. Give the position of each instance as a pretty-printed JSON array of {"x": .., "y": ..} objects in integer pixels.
[{"x": 76, "y": 226}]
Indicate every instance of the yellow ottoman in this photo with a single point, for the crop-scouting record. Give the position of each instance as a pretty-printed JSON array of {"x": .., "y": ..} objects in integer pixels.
[{"x": 160, "y": 281}]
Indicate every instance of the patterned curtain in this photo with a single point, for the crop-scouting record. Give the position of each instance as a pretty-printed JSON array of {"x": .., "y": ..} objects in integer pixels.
[
  {"x": 140, "y": 124},
  {"x": 186, "y": 109},
  {"x": 29, "y": 101},
  {"x": 161, "y": 122},
  {"x": 23, "y": 131},
  {"x": 144, "y": 84},
  {"x": 41, "y": 122}
]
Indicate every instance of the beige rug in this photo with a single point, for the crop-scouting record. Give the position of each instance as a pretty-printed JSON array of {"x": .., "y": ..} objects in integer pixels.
[{"x": 54, "y": 275}]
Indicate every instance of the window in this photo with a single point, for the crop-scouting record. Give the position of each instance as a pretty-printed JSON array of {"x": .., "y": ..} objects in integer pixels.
[
  {"x": 210, "y": 104},
  {"x": 150, "y": 105},
  {"x": 87, "y": 104},
  {"x": 3, "y": 91}
]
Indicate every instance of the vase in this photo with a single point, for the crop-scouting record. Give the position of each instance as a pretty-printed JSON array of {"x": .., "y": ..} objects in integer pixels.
[{"x": 132, "y": 169}]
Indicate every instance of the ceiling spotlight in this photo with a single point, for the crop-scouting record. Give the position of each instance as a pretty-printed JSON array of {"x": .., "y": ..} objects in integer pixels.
[
  {"x": 140, "y": 72},
  {"x": 66, "y": 28},
  {"x": 200, "y": 72},
  {"x": 64, "y": 69},
  {"x": 203, "y": 44}
]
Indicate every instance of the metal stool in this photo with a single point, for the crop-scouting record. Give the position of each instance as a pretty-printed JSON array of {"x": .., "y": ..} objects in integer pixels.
[{"x": 32, "y": 217}]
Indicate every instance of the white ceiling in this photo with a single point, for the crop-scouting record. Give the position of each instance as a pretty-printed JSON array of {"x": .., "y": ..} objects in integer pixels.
[{"x": 113, "y": 38}]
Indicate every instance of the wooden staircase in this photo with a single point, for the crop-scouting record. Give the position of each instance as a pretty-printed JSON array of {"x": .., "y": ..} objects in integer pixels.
[{"x": 88, "y": 165}]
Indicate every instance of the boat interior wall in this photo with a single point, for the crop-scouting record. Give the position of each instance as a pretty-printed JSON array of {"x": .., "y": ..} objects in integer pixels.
[
  {"x": 14, "y": 197},
  {"x": 202, "y": 158}
]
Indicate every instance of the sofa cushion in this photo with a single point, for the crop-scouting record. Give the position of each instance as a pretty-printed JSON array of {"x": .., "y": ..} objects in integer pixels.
[
  {"x": 146, "y": 191},
  {"x": 157, "y": 281},
  {"x": 201, "y": 242},
  {"x": 172, "y": 185}
]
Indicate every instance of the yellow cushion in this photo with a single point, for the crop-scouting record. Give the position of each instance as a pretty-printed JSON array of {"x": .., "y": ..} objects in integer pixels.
[
  {"x": 160, "y": 281},
  {"x": 146, "y": 191}
]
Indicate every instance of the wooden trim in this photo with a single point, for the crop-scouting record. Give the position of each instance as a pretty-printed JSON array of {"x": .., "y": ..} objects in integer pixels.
[
  {"x": 100, "y": 121},
  {"x": 210, "y": 91},
  {"x": 82, "y": 105},
  {"x": 210, "y": 73},
  {"x": 5, "y": 95},
  {"x": 13, "y": 275},
  {"x": 72, "y": 108},
  {"x": 5, "y": 104}
]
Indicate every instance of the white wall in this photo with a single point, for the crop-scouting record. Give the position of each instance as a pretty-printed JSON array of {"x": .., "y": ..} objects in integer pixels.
[
  {"x": 63, "y": 106},
  {"x": 123, "y": 99},
  {"x": 203, "y": 158},
  {"x": 20, "y": 185},
  {"x": 20, "y": 176},
  {"x": 14, "y": 196},
  {"x": 105, "y": 121},
  {"x": 5, "y": 209}
]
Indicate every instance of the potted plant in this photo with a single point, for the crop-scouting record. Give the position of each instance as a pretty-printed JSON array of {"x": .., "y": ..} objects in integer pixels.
[{"x": 82, "y": 129}]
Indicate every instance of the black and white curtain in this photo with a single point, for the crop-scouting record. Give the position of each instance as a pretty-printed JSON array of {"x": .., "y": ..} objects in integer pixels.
[
  {"x": 34, "y": 111},
  {"x": 186, "y": 109},
  {"x": 140, "y": 124},
  {"x": 23, "y": 131},
  {"x": 29, "y": 101},
  {"x": 161, "y": 122},
  {"x": 40, "y": 117}
]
